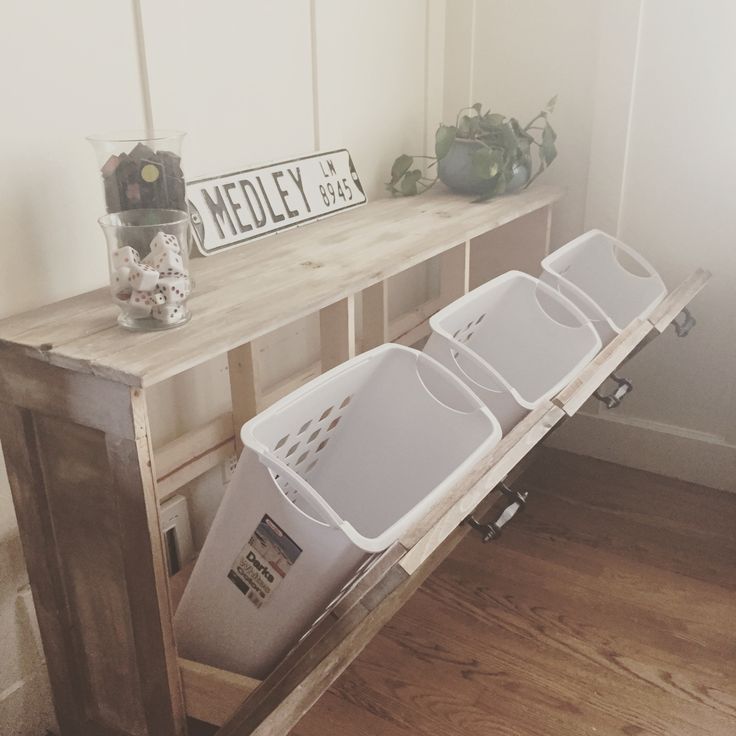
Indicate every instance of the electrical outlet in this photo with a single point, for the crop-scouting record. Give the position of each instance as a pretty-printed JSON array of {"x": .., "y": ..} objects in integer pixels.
[
  {"x": 228, "y": 468},
  {"x": 177, "y": 533}
]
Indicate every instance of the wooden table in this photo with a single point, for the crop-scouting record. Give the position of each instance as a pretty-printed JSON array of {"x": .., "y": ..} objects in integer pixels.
[{"x": 87, "y": 483}]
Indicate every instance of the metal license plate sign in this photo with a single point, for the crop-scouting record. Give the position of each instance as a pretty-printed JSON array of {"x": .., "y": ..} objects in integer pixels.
[{"x": 231, "y": 209}]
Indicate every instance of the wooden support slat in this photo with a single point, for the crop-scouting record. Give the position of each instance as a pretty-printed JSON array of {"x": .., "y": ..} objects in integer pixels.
[
  {"x": 548, "y": 232},
  {"x": 581, "y": 388},
  {"x": 677, "y": 299},
  {"x": 375, "y": 316},
  {"x": 213, "y": 695},
  {"x": 194, "y": 453},
  {"x": 337, "y": 332},
  {"x": 245, "y": 382},
  {"x": 454, "y": 273},
  {"x": 146, "y": 582}
]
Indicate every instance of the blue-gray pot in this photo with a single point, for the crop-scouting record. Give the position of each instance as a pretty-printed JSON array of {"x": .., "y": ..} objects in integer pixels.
[{"x": 456, "y": 170}]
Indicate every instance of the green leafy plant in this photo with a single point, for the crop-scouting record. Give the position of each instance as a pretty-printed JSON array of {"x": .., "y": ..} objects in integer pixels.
[{"x": 502, "y": 148}]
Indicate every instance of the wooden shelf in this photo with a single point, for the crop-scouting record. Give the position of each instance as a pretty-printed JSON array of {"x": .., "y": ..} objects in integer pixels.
[{"x": 250, "y": 291}]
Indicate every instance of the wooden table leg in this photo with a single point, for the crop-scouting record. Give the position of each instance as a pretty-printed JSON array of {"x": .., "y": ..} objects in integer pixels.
[{"x": 88, "y": 519}]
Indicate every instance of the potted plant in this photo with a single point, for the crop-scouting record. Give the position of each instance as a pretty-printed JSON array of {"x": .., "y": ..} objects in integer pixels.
[{"x": 484, "y": 154}]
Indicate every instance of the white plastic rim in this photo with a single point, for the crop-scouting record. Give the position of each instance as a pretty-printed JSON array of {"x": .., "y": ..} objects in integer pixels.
[
  {"x": 312, "y": 496},
  {"x": 459, "y": 348},
  {"x": 550, "y": 264}
]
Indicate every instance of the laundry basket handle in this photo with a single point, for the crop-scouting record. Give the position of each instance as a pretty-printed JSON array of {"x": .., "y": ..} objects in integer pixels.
[
  {"x": 454, "y": 346},
  {"x": 305, "y": 490},
  {"x": 569, "y": 306},
  {"x": 617, "y": 247},
  {"x": 471, "y": 402}
]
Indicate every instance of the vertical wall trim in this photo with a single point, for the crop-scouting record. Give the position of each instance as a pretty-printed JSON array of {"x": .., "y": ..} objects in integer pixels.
[
  {"x": 315, "y": 73},
  {"x": 140, "y": 43},
  {"x": 471, "y": 65},
  {"x": 425, "y": 130},
  {"x": 630, "y": 120}
]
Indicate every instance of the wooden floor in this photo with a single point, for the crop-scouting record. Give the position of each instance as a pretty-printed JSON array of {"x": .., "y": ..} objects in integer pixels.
[{"x": 609, "y": 608}]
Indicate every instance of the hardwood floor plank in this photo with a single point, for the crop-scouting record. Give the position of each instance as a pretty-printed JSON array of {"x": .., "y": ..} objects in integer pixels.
[{"x": 606, "y": 608}]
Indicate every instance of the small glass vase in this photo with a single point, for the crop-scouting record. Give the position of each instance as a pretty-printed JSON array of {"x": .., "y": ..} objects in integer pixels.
[
  {"x": 148, "y": 255},
  {"x": 141, "y": 170}
]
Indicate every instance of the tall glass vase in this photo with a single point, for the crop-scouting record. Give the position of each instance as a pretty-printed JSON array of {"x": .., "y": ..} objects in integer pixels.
[{"x": 141, "y": 170}]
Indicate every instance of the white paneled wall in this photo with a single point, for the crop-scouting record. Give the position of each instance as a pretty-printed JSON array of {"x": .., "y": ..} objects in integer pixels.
[
  {"x": 60, "y": 81},
  {"x": 662, "y": 148},
  {"x": 514, "y": 55}
]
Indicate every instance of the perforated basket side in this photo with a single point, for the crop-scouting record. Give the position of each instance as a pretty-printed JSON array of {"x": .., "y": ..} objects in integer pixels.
[{"x": 302, "y": 448}]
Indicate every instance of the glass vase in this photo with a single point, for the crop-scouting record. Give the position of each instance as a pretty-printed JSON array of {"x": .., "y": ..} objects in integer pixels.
[
  {"x": 148, "y": 255},
  {"x": 141, "y": 170}
]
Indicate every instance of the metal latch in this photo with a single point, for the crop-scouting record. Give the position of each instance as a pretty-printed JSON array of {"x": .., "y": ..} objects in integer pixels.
[
  {"x": 683, "y": 323},
  {"x": 492, "y": 530},
  {"x": 613, "y": 399}
]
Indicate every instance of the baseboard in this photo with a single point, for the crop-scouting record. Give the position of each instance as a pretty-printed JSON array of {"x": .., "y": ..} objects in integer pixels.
[{"x": 675, "y": 452}]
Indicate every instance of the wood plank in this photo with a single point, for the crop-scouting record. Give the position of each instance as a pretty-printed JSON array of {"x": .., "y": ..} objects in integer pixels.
[
  {"x": 25, "y": 475},
  {"x": 375, "y": 316},
  {"x": 146, "y": 582},
  {"x": 92, "y": 570},
  {"x": 85, "y": 399},
  {"x": 248, "y": 292},
  {"x": 212, "y": 695},
  {"x": 245, "y": 386},
  {"x": 337, "y": 332},
  {"x": 679, "y": 298},
  {"x": 455, "y": 273},
  {"x": 470, "y": 491},
  {"x": 580, "y": 389},
  {"x": 194, "y": 453}
]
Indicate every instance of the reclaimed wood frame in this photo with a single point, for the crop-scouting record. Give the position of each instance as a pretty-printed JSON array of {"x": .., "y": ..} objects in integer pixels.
[{"x": 87, "y": 483}]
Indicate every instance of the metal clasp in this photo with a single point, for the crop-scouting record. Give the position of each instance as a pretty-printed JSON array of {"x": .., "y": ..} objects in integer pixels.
[
  {"x": 613, "y": 399},
  {"x": 492, "y": 530},
  {"x": 684, "y": 322}
]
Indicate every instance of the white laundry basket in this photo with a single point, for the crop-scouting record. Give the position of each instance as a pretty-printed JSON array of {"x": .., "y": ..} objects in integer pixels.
[
  {"x": 515, "y": 341},
  {"x": 610, "y": 282},
  {"x": 336, "y": 470}
]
